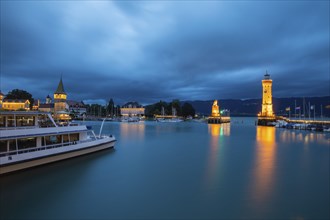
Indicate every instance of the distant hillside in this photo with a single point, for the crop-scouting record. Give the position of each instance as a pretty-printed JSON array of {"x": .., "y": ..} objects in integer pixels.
[{"x": 251, "y": 107}]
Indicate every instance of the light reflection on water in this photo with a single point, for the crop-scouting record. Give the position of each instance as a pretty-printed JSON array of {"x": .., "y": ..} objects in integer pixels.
[
  {"x": 264, "y": 165},
  {"x": 219, "y": 129},
  {"x": 132, "y": 130},
  {"x": 305, "y": 137}
]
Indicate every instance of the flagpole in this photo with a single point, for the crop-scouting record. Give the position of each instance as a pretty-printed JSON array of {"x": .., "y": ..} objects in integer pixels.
[
  {"x": 295, "y": 110},
  {"x": 304, "y": 108},
  {"x": 321, "y": 112},
  {"x": 289, "y": 113},
  {"x": 314, "y": 112},
  {"x": 309, "y": 111}
]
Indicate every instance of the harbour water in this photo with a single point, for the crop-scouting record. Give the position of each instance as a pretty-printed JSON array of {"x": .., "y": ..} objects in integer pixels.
[{"x": 185, "y": 170}]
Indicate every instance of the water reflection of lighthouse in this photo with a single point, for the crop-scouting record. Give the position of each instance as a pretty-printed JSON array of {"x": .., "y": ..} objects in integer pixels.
[{"x": 264, "y": 167}]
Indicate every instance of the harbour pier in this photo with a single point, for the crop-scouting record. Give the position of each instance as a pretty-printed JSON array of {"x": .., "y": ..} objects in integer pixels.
[{"x": 303, "y": 121}]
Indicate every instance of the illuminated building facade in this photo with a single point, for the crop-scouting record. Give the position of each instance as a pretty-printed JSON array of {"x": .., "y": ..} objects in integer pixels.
[
  {"x": 36, "y": 104},
  {"x": 132, "y": 109},
  {"x": 14, "y": 104},
  {"x": 267, "y": 103},
  {"x": 60, "y": 98},
  {"x": 60, "y": 105}
]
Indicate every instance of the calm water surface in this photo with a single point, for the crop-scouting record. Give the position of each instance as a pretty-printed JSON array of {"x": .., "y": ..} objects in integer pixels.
[{"x": 182, "y": 171}]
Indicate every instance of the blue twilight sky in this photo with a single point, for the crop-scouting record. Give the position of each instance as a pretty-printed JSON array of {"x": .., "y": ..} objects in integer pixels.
[{"x": 148, "y": 51}]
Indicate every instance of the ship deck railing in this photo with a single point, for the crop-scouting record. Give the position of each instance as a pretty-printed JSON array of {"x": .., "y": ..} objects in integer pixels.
[
  {"x": 18, "y": 128},
  {"x": 36, "y": 126}
]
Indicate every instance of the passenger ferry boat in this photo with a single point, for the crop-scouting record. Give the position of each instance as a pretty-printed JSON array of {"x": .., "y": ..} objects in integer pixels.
[{"x": 29, "y": 139}]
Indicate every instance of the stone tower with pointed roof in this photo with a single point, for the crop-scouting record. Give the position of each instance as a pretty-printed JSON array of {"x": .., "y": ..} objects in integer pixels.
[
  {"x": 48, "y": 99},
  {"x": 60, "y": 98}
]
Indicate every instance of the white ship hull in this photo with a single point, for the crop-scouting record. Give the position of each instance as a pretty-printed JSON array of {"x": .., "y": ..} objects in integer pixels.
[{"x": 23, "y": 161}]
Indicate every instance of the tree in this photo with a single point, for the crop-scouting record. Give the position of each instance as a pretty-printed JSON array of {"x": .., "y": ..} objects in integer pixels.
[
  {"x": 111, "y": 108},
  {"x": 20, "y": 94},
  {"x": 188, "y": 110},
  {"x": 118, "y": 113}
]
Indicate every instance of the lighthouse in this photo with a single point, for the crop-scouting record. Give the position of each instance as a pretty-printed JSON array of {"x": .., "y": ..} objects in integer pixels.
[
  {"x": 266, "y": 115},
  {"x": 267, "y": 103}
]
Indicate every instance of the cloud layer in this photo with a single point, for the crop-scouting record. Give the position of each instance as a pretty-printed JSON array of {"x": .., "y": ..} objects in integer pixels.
[{"x": 151, "y": 51}]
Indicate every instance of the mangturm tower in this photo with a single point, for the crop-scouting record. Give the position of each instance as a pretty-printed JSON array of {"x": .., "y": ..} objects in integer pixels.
[
  {"x": 60, "y": 105},
  {"x": 266, "y": 115}
]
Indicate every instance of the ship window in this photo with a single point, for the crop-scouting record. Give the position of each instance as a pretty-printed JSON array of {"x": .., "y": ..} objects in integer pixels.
[
  {"x": 54, "y": 139},
  {"x": 26, "y": 143},
  {"x": 2, "y": 121},
  {"x": 74, "y": 137},
  {"x": 11, "y": 121},
  {"x": 65, "y": 138},
  {"x": 12, "y": 145},
  {"x": 24, "y": 121},
  {"x": 3, "y": 146}
]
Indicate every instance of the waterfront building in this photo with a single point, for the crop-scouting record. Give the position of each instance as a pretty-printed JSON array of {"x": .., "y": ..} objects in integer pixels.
[
  {"x": 36, "y": 104},
  {"x": 61, "y": 108},
  {"x": 46, "y": 107},
  {"x": 15, "y": 104},
  {"x": 266, "y": 115},
  {"x": 48, "y": 99},
  {"x": 132, "y": 109},
  {"x": 78, "y": 109}
]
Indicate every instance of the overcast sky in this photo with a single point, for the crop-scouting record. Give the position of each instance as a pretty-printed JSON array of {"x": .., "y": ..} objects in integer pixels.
[{"x": 148, "y": 51}]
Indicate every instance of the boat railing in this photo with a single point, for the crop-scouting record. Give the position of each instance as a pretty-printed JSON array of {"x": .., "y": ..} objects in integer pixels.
[{"x": 19, "y": 128}]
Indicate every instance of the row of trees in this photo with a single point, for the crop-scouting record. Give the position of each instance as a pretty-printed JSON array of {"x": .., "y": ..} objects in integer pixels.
[
  {"x": 184, "y": 110},
  {"x": 97, "y": 110}
]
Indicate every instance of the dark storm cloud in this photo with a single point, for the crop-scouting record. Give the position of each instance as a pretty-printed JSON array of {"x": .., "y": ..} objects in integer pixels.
[{"x": 151, "y": 51}]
